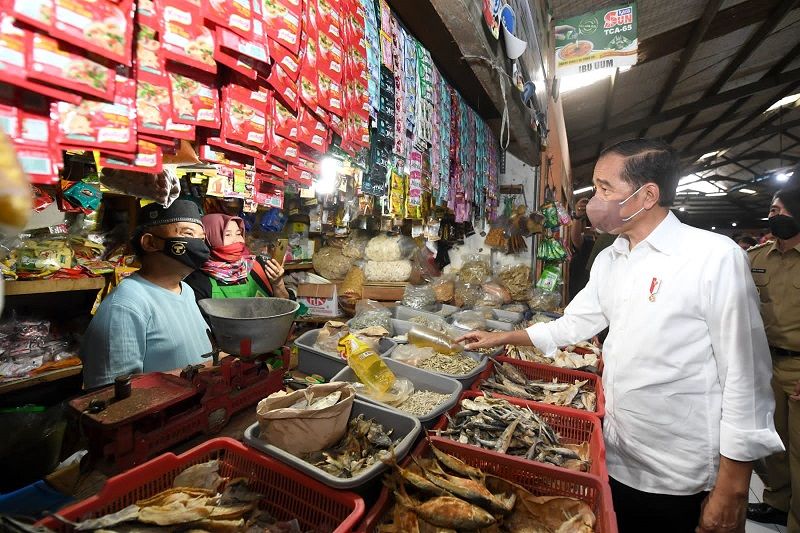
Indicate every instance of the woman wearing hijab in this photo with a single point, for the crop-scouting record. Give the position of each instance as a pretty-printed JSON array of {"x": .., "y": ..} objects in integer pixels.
[{"x": 232, "y": 271}]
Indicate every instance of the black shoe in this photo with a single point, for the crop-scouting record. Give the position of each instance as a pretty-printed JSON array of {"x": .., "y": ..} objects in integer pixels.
[{"x": 766, "y": 514}]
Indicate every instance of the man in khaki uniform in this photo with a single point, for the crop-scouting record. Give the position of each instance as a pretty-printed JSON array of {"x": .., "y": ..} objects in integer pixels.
[{"x": 776, "y": 271}]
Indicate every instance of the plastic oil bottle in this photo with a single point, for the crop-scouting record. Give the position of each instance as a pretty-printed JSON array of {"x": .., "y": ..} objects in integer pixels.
[
  {"x": 428, "y": 338},
  {"x": 366, "y": 363}
]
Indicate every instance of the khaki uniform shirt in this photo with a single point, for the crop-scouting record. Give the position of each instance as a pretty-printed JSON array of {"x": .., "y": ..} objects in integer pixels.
[{"x": 777, "y": 277}]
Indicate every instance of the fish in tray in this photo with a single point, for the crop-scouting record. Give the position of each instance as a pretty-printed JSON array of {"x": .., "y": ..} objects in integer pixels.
[
  {"x": 498, "y": 425},
  {"x": 508, "y": 380},
  {"x": 586, "y": 359},
  {"x": 365, "y": 443},
  {"x": 442, "y": 494}
]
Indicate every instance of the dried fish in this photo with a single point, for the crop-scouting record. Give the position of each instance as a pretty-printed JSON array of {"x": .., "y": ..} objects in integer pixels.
[
  {"x": 365, "y": 443},
  {"x": 457, "y": 364},
  {"x": 315, "y": 404},
  {"x": 195, "y": 508},
  {"x": 422, "y": 402},
  {"x": 496, "y": 424},
  {"x": 442, "y": 501},
  {"x": 508, "y": 380}
]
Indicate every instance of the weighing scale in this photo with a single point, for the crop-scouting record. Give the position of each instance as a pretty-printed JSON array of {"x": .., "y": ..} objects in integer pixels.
[{"x": 140, "y": 416}]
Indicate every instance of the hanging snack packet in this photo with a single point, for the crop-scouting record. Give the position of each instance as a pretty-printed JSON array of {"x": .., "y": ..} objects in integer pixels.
[
  {"x": 153, "y": 102},
  {"x": 185, "y": 39},
  {"x": 148, "y": 158},
  {"x": 282, "y": 22},
  {"x": 244, "y": 113},
  {"x": 285, "y": 122},
  {"x": 235, "y": 15},
  {"x": 99, "y": 26},
  {"x": 282, "y": 56},
  {"x": 195, "y": 99},
  {"x": 239, "y": 54},
  {"x": 58, "y": 64},
  {"x": 93, "y": 124},
  {"x": 312, "y": 132},
  {"x": 284, "y": 149},
  {"x": 149, "y": 56},
  {"x": 285, "y": 88}
]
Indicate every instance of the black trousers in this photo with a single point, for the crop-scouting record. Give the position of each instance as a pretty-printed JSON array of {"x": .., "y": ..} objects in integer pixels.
[{"x": 645, "y": 512}]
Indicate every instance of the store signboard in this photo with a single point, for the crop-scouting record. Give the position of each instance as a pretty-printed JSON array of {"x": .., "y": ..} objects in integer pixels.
[{"x": 598, "y": 40}]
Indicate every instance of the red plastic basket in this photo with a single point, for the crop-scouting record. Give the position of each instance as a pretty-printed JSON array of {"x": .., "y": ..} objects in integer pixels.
[
  {"x": 548, "y": 373},
  {"x": 289, "y": 493},
  {"x": 540, "y": 481},
  {"x": 574, "y": 427}
]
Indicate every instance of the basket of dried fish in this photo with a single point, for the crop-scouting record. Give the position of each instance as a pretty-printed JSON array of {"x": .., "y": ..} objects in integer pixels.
[
  {"x": 220, "y": 485},
  {"x": 532, "y": 432},
  {"x": 459, "y": 488},
  {"x": 311, "y": 360},
  {"x": 582, "y": 356},
  {"x": 533, "y": 382},
  {"x": 374, "y": 433},
  {"x": 433, "y": 394}
]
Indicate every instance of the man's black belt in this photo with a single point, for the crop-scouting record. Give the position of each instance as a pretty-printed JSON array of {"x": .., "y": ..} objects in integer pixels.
[{"x": 783, "y": 352}]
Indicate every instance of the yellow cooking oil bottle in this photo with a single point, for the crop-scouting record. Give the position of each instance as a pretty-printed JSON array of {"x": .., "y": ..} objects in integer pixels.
[
  {"x": 366, "y": 363},
  {"x": 428, "y": 338}
]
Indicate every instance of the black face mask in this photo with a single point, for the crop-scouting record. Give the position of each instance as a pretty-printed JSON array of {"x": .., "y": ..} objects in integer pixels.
[
  {"x": 190, "y": 251},
  {"x": 783, "y": 227}
]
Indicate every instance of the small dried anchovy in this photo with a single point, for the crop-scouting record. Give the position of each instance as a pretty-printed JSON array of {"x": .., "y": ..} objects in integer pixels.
[
  {"x": 458, "y": 364},
  {"x": 422, "y": 402}
]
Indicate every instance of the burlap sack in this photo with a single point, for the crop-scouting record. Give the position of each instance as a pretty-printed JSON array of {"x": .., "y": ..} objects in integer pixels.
[{"x": 300, "y": 431}]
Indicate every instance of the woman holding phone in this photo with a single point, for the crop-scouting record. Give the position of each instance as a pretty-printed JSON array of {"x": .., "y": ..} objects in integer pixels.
[{"x": 232, "y": 271}]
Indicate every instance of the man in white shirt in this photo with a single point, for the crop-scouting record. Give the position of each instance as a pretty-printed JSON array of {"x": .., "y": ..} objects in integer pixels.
[{"x": 687, "y": 367}]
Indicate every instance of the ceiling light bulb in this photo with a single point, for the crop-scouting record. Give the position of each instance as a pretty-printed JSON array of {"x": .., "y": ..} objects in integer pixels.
[
  {"x": 733, "y": 224},
  {"x": 582, "y": 190},
  {"x": 747, "y": 191},
  {"x": 782, "y": 177},
  {"x": 328, "y": 168},
  {"x": 681, "y": 209}
]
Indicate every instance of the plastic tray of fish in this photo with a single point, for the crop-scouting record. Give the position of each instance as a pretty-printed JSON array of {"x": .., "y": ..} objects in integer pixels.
[
  {"x": 539, "y": 479},
  {"x": 313, "y": 361},
  {"x": 466, "y": 380},
  {"x": 402, "y": 426},
  {"x": 571, "y": 429},
  {"x": 538, "y": 372},
  {"x": 423, "y": 380}
]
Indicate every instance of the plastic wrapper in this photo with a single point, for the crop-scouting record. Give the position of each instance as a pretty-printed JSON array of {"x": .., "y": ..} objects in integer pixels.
[
  {"x": 162, "y": 188},
  {"x": 390, "y": 248},
  {"x": 400, "y": 391},
  {"x": 494, "y": 295},
  {"x": 443, "y": 343},
  {"x": 543, "y": 300},
  {"x": 330, "y": 263},
  {"x": 352, "y": 287},
  {"x": 15, "y": 196},
  {"x": 371, "y": 313},
  {"x": 411, "y": 354},
  {"x": 388, "y": 270},
  {"x": 476, "y": 269},
  {"x": 466, "y": 294},
  {"x": 517, "y": 279},
  {"x": 419, "y": 297},
  {"x": 469, "y": 320},
  {"x": 444, "y": 289},
  {"x": 434, "y": 323},
  {"x": 550, "y": 279},
  {"x": 328, "y": 337},
  {"x": 355, "y": 245}
]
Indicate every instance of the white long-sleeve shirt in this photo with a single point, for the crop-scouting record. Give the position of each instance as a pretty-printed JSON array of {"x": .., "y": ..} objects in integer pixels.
[{"x": 687, "y": 375}]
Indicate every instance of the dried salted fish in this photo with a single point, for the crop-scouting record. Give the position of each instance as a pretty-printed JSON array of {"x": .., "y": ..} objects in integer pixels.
[
  {"x": 365, "y": 443},
  {"x": 316, "y": 404},
  {"x": 442, "y": 501},
  {"x": 457, "y": 364},
  {"x": 496, "y": 424},
  {"x": 124, "y": 515},
  {"x": 508, "y": 380},
  {"x": 422, "y": 402},
  {"x": 201, "y": 476}
]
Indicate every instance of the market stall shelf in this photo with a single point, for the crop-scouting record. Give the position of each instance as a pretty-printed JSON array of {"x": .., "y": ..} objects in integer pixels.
[
  {"x": 290, "y": 494},
  {"x": 41, "y": 286},
  {"x": 574, "y": 428},
  {"x": 539, "y": 480}
]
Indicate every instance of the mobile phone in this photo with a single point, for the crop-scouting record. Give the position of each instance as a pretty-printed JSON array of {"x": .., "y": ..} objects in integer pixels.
[{"x": 279, "y": 251}]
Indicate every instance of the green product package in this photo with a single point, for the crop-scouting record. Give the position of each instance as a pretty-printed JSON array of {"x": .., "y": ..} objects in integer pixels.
[{"x": 550, "y": 278}]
